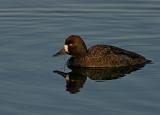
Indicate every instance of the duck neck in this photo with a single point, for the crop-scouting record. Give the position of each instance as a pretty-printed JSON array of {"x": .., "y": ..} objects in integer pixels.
[{"x": 81, "y": 50}]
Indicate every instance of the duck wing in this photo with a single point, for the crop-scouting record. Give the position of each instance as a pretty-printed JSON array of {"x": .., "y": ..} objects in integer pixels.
[{"x": 106, "y": 50}]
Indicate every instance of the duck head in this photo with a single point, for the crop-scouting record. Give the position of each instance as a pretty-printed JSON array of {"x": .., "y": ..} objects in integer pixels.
[{"x": 74, "y": 46}]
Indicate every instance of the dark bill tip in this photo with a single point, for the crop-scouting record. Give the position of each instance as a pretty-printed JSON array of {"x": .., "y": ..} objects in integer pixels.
[
  {"x": 60, "y": 73},
  {"x": 61, "y": 52}
]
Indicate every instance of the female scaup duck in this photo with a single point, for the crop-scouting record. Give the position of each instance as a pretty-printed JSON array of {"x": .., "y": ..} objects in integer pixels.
[{"x": 98, "y": 55}]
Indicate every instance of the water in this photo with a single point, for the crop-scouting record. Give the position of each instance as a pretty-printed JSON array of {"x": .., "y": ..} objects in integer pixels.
[{"x": 31, "y": 31}]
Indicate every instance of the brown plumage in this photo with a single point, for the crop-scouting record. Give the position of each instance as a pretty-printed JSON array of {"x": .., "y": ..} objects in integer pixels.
[{"x": 99, "y": 55}]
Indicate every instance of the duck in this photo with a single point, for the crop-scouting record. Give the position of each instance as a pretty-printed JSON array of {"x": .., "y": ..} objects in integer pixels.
[{"x": 98, "y": 55}]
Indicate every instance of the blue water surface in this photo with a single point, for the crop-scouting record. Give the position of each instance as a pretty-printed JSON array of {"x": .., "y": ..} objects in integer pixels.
[{"x": 32, "y": 30}]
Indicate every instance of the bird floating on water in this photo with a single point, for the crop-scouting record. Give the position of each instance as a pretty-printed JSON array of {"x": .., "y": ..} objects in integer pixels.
[{"x": 98, "y": 55}]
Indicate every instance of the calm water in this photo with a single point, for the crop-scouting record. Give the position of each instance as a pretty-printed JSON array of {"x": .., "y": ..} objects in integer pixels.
[{"x": 31, "y": 31}]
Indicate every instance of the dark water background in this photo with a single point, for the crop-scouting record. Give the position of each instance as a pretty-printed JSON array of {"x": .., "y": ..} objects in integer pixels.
[{"x": 32, "y": 30}]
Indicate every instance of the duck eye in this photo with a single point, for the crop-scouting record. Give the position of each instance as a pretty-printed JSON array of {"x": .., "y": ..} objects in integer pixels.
[{"x": 70, "y": 44}]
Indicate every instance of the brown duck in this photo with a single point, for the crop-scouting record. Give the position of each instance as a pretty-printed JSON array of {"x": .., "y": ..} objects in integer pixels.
[{"x": 98, "y": 55}]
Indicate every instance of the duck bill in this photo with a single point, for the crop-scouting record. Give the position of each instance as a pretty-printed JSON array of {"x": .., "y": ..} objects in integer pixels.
[{"x": 61, "y": 52}]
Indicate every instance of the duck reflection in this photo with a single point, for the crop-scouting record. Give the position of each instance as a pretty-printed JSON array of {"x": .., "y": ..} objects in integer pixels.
[{"x": 77, "y": 77}]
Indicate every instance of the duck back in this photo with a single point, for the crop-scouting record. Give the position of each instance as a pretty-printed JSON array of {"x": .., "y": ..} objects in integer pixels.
[{"x": 106, "y": 56}]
